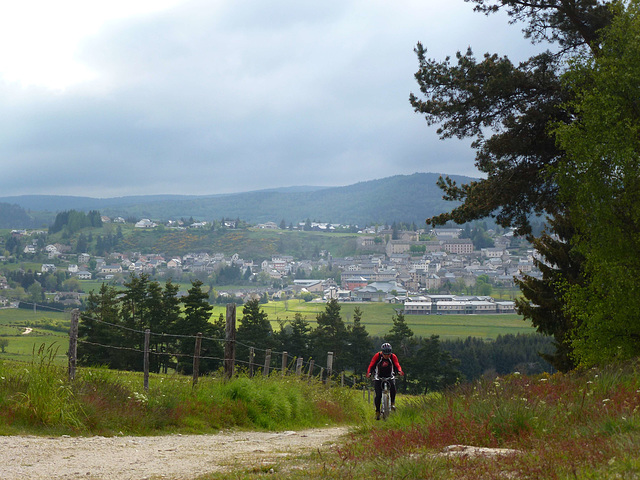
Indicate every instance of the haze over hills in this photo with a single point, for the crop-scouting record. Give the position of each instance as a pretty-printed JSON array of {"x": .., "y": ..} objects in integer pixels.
[{"x": 401, "y": 198}]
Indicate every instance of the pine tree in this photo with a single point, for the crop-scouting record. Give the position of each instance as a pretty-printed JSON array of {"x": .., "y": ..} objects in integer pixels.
[
  {"x": 438, "y": 368},
  {"x": 196, "y": 319},
  {"x": 98, "y": 330},
  {"x": 330, "y": 335},
  {"x": 542, "y": 300},
  {"x": 254, "y": 331},
  {"x": 359, "y": 342}
]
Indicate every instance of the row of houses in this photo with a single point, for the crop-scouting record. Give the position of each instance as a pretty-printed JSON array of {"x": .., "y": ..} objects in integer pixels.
[
  {"x": 393, "y": 292},
  {"x": 455, "y": 304}
]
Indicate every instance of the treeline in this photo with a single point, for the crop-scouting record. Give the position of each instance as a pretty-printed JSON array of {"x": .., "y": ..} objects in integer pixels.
[
  {"x": 509, "y": 353},
  {"x": 104, "y": 244},
  {"x": 32, "y": 286},
  {"x": 110, "y": 334},
  {"x": 73, "y": 221},
  {"x": 14, "y": 216}
]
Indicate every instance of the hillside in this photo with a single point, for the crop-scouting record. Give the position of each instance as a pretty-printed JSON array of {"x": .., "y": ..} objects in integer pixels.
[{"x": 402, "y": 198}]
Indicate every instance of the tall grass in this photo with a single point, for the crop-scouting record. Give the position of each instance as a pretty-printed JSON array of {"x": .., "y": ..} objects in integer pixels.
[
  {"x": 36, "y": 394},
  {"x": 579, "y": 425},
  {"x": 582, "y": 425},
  {"x": 38, "y": 398}
]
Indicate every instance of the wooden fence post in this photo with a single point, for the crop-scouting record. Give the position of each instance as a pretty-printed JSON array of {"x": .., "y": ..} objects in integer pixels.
[
  {"x": 147, "y": 336},
  {"x": 267, "y": 363},
  {"x": 230, "y": 341},
  {"x": 284, "y": 363},
  {"x": 73, "y": 343},
  {"x": 311, "y": 369},
  {"x": 196, "y": 358},
  {"x": 329, "y": 366},
  {"x": 299, "y": 366},
  {"x": 252, "y": 357}
]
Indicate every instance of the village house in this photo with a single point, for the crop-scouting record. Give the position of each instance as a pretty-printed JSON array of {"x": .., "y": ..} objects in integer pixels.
[
  {"x": 354, "y": 282},
  {"x": 367, "y": 241},
  {"x": 110, "y": 269},
  {"x": 198, "y": 225},
  {"x": 174, "y": 263},
  {"x": 378, "y": 292},
  {"x": 83, "y": 275},
  {"x": 70, "y": 299},
  {"x": 312, "y": 286},
  {"x": 386, "y": 274},
  {"x": 268, "y": 226},
  {"x": 145, "y": 223},
  {"x": 494, "y": 252},
  {"x": 463, "y": 246}
]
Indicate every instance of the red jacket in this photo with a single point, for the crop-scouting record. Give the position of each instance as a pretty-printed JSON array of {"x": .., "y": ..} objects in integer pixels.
[{"x": 376, "y": 359}]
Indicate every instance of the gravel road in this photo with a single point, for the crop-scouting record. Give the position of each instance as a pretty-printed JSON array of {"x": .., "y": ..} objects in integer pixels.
[{"x": 164, "y": 457}]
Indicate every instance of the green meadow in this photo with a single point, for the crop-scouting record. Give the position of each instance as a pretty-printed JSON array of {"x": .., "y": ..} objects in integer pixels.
[
  {"x": 50, "y": 328},
  {"x": 26, "y": 331},
  {"x": 377, "y": 318}
]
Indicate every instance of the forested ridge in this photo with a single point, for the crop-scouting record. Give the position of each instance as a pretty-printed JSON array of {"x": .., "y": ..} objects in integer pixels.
[{"x": 406, "y": 198}]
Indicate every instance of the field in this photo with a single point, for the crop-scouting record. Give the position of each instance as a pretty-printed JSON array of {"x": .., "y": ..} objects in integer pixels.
[
  {"x": 26, "y": 331},
  {"x": 377, "y": 318},
  {"x": 49, "y": 328}
]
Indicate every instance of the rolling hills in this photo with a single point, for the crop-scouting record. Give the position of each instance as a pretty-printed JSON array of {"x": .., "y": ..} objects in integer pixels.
[{"x": 400, "y": 198}]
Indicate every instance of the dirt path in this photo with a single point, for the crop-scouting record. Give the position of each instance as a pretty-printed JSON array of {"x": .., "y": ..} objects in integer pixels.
[{"x": 165, "y": 457}]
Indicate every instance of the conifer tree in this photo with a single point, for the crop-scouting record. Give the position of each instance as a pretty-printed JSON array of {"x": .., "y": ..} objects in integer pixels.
[
  {"x": 196, "y": 319},
  {"x": 254, "y": 331},
  {"x": 330, "y": 335},
  {"x": 509, "y": 111},
  {"x": 359, "y": 342},
  {"x": 96, "y": 329}
]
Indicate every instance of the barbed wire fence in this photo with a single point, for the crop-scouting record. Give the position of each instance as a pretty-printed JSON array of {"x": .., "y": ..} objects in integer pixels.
[{"x": 289, "y": 364}]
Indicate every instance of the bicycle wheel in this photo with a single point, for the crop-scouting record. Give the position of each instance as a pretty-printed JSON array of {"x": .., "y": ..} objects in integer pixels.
[{"x": 386, "y": 404}]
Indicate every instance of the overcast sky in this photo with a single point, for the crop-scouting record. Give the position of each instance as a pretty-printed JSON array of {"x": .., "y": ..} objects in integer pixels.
[{"x": 137, "y": 97}]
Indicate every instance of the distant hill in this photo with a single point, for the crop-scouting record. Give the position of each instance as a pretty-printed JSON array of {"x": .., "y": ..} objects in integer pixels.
[
  {"x": 14, "y": 216},
  {"x": 401, "y": 198}
]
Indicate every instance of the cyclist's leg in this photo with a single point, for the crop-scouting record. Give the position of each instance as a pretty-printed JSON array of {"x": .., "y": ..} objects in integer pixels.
[
  {"x": 378, "y": 388},
  {"x": 392, "y": 390}
]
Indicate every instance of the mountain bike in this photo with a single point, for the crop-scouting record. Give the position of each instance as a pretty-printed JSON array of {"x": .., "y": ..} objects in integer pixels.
[{"x": 385, "y": 404}]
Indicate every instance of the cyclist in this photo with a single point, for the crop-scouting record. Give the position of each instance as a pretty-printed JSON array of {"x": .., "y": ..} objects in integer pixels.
[{"x": 384, "y": 364}]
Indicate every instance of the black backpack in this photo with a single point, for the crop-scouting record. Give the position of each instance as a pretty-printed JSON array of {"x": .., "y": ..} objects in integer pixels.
[{"x": 384, "y": 366}]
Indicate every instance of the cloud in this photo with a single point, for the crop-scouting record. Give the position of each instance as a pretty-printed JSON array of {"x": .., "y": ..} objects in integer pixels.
[{"x": 204, "y": 97}]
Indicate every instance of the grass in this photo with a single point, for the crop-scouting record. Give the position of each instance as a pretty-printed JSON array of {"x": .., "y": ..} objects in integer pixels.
[
  {"x": 47, "y": 328},
  {"x": 38, "y": 398},
  {"x": 581, "y": 425},
  {"x": 376, "y": 317}
]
